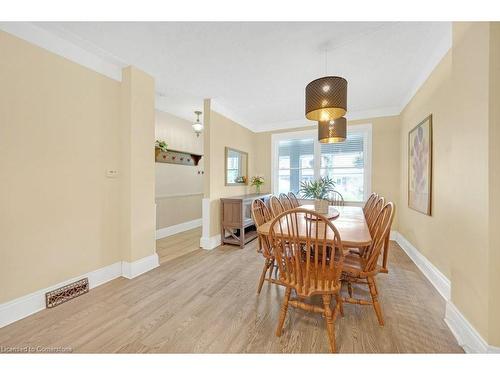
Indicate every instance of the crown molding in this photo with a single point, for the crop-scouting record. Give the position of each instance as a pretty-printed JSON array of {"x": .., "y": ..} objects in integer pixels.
[
  {"x": 67, "y": 45},
  {"x": 439, "y": 53},
  {"x": 351, "y": 116},
  {"x": 62, "y": 47}
]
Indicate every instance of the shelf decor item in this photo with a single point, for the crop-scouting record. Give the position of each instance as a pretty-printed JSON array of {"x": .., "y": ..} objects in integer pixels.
[
  {"x": 420, "y": 167},
  {"x": 257, "y": 181},
  {"x": 319, "y": 191},
  {"x": 177, "y": 157},
  {"x": 160, "y": 146}
]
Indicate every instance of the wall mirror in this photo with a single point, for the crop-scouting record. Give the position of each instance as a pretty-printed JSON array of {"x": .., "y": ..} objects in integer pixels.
[{"x": 236, "y": 166}]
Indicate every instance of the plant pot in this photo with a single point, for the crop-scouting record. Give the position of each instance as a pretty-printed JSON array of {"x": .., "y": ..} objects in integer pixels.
[
  {"x": 157, "y": 152},
  {"x": 321, "y": 206}
]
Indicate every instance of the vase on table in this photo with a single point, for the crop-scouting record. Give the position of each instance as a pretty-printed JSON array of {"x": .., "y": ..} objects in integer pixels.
[
  {"x": 321, "y": 206},
  {"x": 257, "y": 189}
]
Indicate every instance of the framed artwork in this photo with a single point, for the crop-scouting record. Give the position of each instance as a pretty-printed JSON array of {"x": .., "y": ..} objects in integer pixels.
[{"x": 420, "y": 166}]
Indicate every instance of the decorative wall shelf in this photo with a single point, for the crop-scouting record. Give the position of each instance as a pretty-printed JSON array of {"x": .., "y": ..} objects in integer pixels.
[{"x": 177, "y": 157}]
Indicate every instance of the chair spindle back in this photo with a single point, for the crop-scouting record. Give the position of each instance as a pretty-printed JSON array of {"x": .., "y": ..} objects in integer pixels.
[
  {"x": 372, "y": 215},
  {"x": 381, "y": 231},
  {"x": 285, "y": 201},
  {"x": 293, "y": 198},
  {"x": 336, "y": 199},
  {"x": 373, "y": 197},
  {"x": 276, "y": 206},
  {"x": 261, "y": 215},
  {"x": 308, "y": 251}
]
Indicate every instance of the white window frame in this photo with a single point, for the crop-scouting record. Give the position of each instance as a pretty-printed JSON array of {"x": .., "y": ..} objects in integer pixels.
[{"x": 365, "y": 129}]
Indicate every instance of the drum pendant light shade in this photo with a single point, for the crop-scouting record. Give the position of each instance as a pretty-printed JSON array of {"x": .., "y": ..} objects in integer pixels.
[
  {"x": 326, "y": 98},
  {"x": 332, "y": 131}
]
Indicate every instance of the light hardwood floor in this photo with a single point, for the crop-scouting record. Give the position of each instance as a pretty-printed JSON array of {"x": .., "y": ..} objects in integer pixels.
[
  {"x": 201, "y": 301},
  {"x": 180, "y": 244}
]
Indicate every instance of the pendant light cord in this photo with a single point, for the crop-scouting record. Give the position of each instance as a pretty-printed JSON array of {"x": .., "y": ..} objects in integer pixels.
[{"x": 326, "y": 61}]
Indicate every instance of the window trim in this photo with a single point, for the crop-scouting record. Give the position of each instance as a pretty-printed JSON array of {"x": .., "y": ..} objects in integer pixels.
[{"x": 365, "y": 129}]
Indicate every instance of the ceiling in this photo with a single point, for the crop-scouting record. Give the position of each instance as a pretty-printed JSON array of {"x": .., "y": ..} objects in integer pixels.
[{"x": 256, "y": 72}]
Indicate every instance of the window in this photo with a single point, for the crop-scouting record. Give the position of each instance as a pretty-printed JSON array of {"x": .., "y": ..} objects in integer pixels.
[
  {"x": 344, "y": 163},
  {"x": 298, "y": 156},
  {"x": 295, "y": 164}
]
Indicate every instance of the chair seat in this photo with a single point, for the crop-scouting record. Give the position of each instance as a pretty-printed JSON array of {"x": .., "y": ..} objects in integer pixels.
[
  {"x": 319, "y": 284},
  {"x": 353, "y": 265}
]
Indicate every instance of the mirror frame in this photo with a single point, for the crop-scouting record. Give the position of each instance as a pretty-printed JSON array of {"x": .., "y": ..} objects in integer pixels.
[{"x": 226, "y": 151}]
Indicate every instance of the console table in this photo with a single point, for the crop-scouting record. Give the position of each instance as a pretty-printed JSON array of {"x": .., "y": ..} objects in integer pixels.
[{"x": 237, "y": 226}]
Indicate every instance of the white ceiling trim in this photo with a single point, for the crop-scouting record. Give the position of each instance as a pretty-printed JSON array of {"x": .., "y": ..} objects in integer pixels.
[
  {"x": 443, "y": 48},
  {"x": 61, "y": 47},
  {"x": 92, "y": 59},
  {"x": 351, "y": 116}
]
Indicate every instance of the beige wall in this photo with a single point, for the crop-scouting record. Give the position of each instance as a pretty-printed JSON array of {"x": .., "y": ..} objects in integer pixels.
[
  {"x": 62, "y": 126},
  {"x": 224, "y": 132},
  {"x": 494, "y": 170},
  {"x": 58, "y": 126},
  {"x": 431, "y": 234},
  {"x": 459, "y": 238},
  {"x": 385, "y": 156},
  {"x": 138, "y": 164},
  {"x": 174, "y": 210},
  {"x": 179, "y": 188}
]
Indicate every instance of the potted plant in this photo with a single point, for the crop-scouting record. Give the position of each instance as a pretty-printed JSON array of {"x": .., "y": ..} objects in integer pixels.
[
  {"x": 257, "y": 181},
  {"x": 319, "y": 191},
  {"x": 160, "y": 146}
]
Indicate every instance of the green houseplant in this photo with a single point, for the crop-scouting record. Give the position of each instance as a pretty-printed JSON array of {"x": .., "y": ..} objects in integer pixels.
[
  {"x": 160, "y": 146},
  {"x": 319, "y": 190}
]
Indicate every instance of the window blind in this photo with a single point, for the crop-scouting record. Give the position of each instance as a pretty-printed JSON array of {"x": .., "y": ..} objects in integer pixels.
[
  {"x": 296, "y": 163},
  {"x": 344, "y": 163}
]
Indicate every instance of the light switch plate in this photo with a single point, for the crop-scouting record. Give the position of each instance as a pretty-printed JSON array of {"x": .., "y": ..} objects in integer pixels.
[{"x": 112, "y": 173}]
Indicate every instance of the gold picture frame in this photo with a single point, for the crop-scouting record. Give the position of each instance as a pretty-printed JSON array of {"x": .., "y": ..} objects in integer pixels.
[{"x": 420, "y": 167}]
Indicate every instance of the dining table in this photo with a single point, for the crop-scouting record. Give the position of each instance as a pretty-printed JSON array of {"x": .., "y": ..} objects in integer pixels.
[{"x": 349, "y": 220}]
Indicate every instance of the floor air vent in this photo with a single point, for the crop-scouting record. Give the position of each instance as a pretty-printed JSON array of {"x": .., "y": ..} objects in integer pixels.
[{"x": 67, "y": 292}]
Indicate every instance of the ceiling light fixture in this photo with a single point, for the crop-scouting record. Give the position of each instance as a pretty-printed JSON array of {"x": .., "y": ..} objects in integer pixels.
[
  {"x": 198, "y": 126},
  {"x": 326, "y": 97},
  {"x": 332, "y": 131}
]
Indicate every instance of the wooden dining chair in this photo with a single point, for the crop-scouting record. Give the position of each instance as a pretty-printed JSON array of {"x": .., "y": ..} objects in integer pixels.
[
  {"x": 261, "y": 215},
  {"x": 369, "y": 202},
  {"x": 294, "y": 199},
  {"x": 285, "y": 201},
  {"x": 276, "y": 206},
  {"x": 336, "y": 199},
  {"x": 363, "y": 269},
  {"x": 309, "y": 255},
  {"x": 374, "y": 211}
]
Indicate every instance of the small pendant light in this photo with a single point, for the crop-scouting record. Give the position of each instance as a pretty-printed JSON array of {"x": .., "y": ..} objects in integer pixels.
[
  {"x": 198, "y": 126},
  {"x": 326, "y": 97},
  {"x": 332, "y": 131}
]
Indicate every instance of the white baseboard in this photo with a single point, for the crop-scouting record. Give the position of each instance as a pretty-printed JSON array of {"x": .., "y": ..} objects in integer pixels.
[
  {"x": 178, "y": 228},
  {"x": 440, "y": 281},
  {"x": 143, "y": 265},
  {"x": 29, "y": 304},
  {"x": 467, "y": 336},
  {"x": 209, "y": 243}
]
